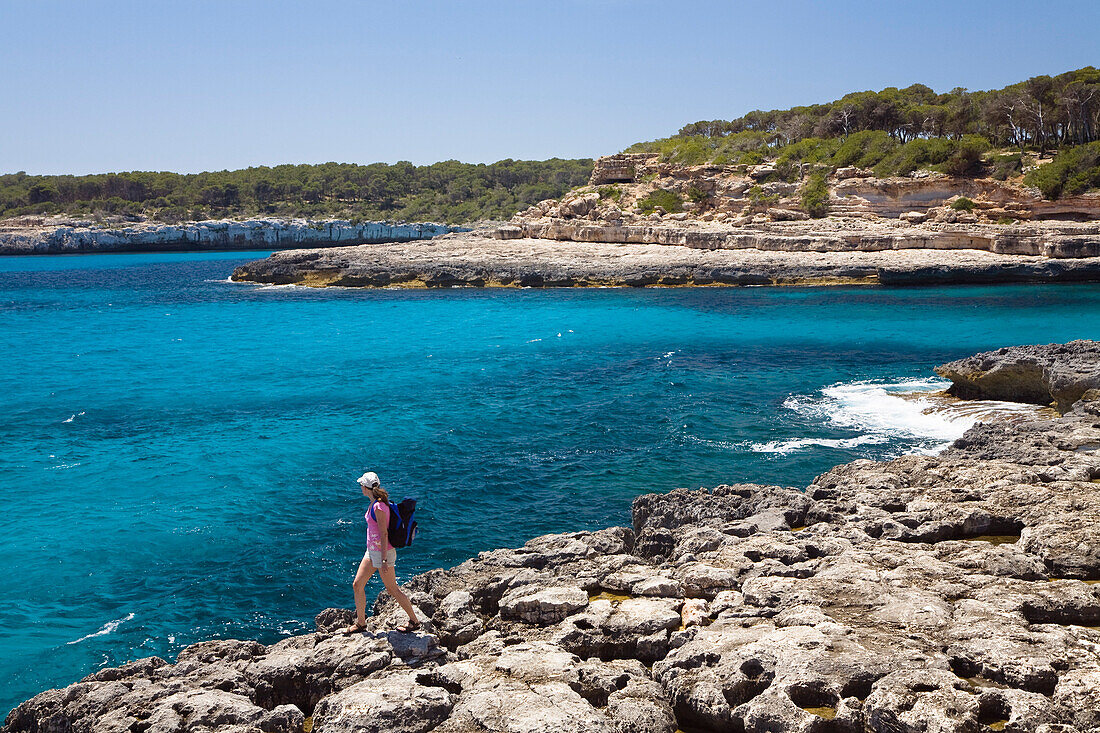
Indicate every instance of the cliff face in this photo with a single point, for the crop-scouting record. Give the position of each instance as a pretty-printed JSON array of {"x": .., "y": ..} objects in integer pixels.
[
  {"x": 732, "y": 207},
  {"x": 84, "y": 237},
  {"x": 726, "y": 192},
  {"x": 929, "y": 594}
]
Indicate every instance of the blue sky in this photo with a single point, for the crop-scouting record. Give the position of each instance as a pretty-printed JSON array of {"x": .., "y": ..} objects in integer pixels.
[{"x": 90, "y": 86}]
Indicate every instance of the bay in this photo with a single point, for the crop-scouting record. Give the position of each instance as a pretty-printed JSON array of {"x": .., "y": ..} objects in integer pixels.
[{"x": 178, "y": 452}]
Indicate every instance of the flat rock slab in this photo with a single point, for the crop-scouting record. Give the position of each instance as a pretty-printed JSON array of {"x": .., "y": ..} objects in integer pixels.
[{"x": 477, "y": 260}]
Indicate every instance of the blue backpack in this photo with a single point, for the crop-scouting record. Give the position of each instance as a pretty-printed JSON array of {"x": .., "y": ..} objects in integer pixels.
[{"x": 402, "y": 526}]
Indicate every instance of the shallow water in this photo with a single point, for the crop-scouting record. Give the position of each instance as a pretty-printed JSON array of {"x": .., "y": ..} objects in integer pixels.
[{"x": 178, "y": 452}]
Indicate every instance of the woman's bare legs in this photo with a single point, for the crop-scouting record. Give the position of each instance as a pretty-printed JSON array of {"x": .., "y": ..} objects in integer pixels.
[
  {"x": 359, "y": 586},
  {"x": 389, "y": 579}
]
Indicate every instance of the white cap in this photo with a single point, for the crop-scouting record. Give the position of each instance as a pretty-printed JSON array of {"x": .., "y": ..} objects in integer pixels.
[{"x": 370, "y": 480}]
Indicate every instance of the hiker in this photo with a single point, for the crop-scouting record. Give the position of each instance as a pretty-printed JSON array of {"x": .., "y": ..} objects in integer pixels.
[{"x": 380, "y": 556}]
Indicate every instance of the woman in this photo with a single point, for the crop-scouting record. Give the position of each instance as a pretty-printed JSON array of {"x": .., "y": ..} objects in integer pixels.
[{"x": 380, "y": 556}]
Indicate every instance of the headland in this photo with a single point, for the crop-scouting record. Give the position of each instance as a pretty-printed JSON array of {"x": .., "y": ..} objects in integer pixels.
[{"x": 644, "y": 222}]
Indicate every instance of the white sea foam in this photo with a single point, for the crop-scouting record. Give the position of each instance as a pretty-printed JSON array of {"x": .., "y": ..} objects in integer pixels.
[
  {"x": 914, "y": 411},
  {"x": 73, "y": 417},
  {"x": 878, "y": 408},
  {"x": 107, "y": 628},
  {"x": 782, "y": 447}
]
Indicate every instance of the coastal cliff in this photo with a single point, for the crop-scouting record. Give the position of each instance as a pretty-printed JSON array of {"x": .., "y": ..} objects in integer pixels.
[
  {"x": 948, "y": 593},
  {"x": 73, "y": 237}
]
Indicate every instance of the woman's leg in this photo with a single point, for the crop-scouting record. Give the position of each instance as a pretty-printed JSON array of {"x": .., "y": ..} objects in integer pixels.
[
  {"x": 359, "y": 586},
  {"x": 389, "y": 579}
]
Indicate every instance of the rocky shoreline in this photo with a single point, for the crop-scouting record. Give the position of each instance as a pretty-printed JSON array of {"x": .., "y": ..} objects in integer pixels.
[
  {"x": 479, "y": 259},
  {"x": 948, "y": 593},
  {"x": 82, "y": 237},
  {"x": 740, "y": 225}
]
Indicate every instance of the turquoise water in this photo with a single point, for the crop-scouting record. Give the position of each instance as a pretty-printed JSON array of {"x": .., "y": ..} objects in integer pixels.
[{"x": 178, "y": 453}]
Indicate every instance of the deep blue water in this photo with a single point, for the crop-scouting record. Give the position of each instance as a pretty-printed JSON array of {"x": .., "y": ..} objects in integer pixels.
[{"x": 178, "y": 453}]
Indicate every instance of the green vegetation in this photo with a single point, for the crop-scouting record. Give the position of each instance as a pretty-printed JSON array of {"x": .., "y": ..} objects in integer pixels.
[
  {"x": 897, "y": 131},
  {"x": 697, "y": 195},
  {"x": 815, "y": 195},
  {"x": 758, "y": 200},
  {"x": 1074, "y": 171},
  {"x": 1007, "y": 166},
  {"x": 962, "y": 203},
  {"x": 670, "y": 201},
  {"x": 610, "y": 192},
  {"x": 450, "y": 191}
]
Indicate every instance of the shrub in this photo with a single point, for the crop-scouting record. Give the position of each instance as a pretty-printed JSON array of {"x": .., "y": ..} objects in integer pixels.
[
  {"x": 967, "y": 156},
  {"x": 610, "y": 192},
  {"x": 864, "y": 149},
  {"x": 753, "y": 157},
  {"x": 670, "y": 201},
  {"x": 1007, "y": 166},
  {"x": 697, "y": 195},
  {"x": 815, "y": 195},
  {"x": 1074, "y": 171},
  {"x": 962, "y": 203},
  {"x": 760, "y": 200},
  {"x": 958, "y": 157}
]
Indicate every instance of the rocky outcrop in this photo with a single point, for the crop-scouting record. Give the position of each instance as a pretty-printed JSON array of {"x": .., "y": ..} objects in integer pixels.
[
  {"x": 788, "y": 232},
  {"x": 1057, "y": 374},
  {"x": 949, "y": 593},
  {"x": 82, "y": 237},
  {"x": 743, "y": 193},
  {"x": 481, "y": 261},
  {"x": 638, "y": 199}
]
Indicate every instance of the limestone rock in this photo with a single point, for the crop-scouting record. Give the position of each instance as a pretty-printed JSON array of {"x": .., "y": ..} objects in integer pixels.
[
  {"x": 559, "y": 252},
  {"x": 1055, "y": 373},
  {"x": 850, "y": 172},
  {"x": 776, "y": 214},
  {"x": 204, "y": 235},
  {"x": 543, "y": 606},
  {"x": 396, "y": 703}
]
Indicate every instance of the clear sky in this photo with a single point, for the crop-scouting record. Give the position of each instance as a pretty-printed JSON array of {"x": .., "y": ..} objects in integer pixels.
[{"x": 188, "y": 85}]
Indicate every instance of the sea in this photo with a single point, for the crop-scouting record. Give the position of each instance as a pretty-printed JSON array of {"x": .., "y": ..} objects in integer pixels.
[{"x": 178, "y": 452}]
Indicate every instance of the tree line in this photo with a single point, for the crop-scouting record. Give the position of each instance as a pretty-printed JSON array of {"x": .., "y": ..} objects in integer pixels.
[
  {"x": 1040, "y": 112},
  {"x": 449, "y": 191},
  {"x": 897, "y": 131}
]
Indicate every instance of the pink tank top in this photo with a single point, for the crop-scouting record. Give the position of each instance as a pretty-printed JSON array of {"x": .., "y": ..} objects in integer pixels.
[{"x": 374, "y": 537}]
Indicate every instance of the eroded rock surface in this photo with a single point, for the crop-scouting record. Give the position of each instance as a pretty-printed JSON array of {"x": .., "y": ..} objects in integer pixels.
[
  {"x": 74, "y": 236},
  {"x": 926, "y": 594},
  {"x": 475, "y": 259},
  {"x": 1053, "y": 373}
]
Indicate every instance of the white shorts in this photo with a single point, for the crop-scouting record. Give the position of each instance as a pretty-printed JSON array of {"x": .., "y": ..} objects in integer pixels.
[{"x": 376, "y": 557}]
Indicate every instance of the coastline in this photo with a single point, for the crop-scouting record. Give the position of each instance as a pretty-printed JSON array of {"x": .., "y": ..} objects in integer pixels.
[
  {"x": 82, "y": 237},
  {"x": 943, "y": 592},
  {"x": 479, "y": 259}
]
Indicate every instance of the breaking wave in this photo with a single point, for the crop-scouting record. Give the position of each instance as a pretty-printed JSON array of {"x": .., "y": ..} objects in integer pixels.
[{"x": 913, "y": 412}]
